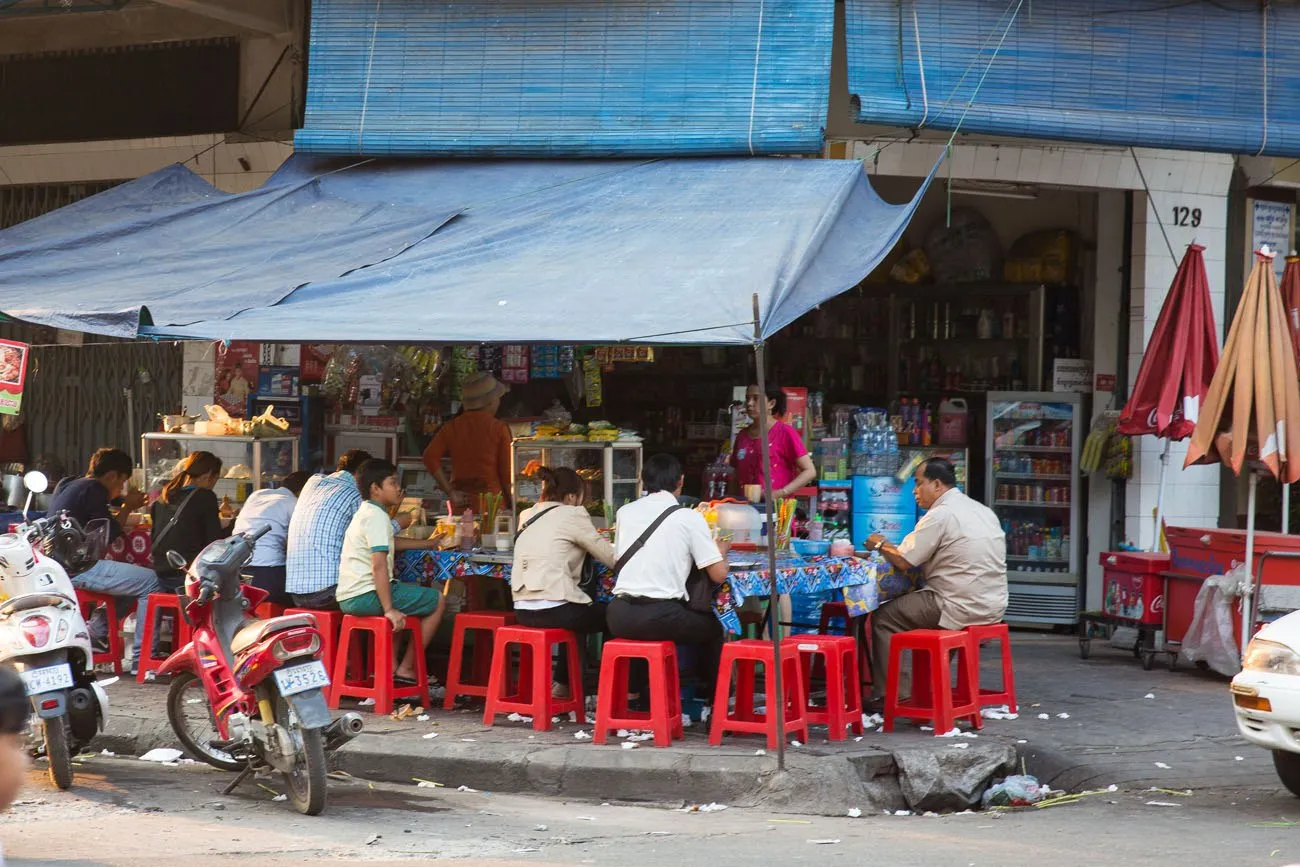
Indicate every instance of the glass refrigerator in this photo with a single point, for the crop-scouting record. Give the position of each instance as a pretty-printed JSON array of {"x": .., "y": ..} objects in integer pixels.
[{"x": 1033, "y": 486}]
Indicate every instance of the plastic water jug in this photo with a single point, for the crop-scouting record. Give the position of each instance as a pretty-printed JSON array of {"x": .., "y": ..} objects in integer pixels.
[{"x": 953, "y": 418}]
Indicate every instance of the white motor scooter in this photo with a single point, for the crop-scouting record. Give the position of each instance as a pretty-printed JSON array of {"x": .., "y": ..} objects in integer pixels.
[{"x": 44, "y": 637}]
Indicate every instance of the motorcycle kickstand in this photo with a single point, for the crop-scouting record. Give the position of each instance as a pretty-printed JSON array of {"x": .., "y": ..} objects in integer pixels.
[{"x": 243, "y": 775}]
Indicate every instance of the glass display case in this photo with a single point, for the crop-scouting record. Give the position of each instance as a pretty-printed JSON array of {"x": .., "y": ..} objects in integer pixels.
[
  {"x": 247, "y": 463},
  {"x": 612, "y": 468},
  {"x": 1033, "y": 486}
]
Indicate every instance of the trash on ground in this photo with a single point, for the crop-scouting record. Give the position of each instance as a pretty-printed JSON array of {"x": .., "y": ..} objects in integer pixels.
[
  {"x": 1162, "y": 804},
  {"x": 426, "y": 784},
  {"x": 872, "y": 720},
  {"x": 467, "y": 789},
  {"x": 961, "y": 746},
  {"x": 1149, "y": 695},
  {"x": 999, "y": 712},
  {"x": 366, "y": 702},
  {"x": 704, "y": 808},
  {"x": 108, "y": 754},
  {"x": 902, "y": 812},
  {"x": 958, "y": 733},
  {"x": 629, "y": 745},
  {"x": 760, "y": 752},
  {"x": 824, "y": 842},
  {"x": 855, "y": 813},
  {"x": 1162, "y": 766},
  {"x": 430, "y": 736},
  {"x": 795, "y": 744},
  {"x": 519, "y": 718},
  {"x": 1017, "y": 790},
  {"x": 373, "y": 839},
  {"x": 424, "y": 717},
  {"x": 1044, "y": 716},
  {"x": 1062, "y": 716},
  {"x": 161, "y": 755},
  {"x": 280, "y": 798},
  {"x": 582, "y": 736},
  {"x": 1239, "y": 758}
]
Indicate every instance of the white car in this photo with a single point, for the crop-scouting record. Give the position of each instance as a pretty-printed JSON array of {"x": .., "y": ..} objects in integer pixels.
[{"x": 1266, "y": 696}]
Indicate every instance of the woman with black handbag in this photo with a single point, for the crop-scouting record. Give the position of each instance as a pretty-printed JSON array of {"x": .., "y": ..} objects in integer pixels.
[
  {"x": 556, "y": 549},
  {"x": 186, "y": 516}
]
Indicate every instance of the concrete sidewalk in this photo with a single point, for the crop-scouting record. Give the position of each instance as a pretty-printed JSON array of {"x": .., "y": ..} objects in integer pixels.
[{"x": 1114, "y": 734}]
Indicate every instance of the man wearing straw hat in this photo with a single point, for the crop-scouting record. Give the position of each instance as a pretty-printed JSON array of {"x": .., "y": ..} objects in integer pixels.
[
  {"x": 477, "y": 442},
  {"x": 960, "y": 546}
]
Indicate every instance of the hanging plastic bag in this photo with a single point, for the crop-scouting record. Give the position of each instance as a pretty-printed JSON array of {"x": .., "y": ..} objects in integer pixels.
[{"x": 1210, "y": 638}]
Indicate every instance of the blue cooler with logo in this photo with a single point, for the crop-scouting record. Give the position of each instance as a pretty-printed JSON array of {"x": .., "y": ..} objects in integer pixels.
[{"x": 882, "y": 504}]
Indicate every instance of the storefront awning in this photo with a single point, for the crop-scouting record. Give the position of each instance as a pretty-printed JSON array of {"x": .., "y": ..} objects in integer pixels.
[{"x": 661, "y": 251}]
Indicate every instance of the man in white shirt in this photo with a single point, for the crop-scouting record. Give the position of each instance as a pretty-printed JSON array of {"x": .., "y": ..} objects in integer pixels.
[
  {"x": 650, "y": 592},
  {"x": 271, "y": 507}
]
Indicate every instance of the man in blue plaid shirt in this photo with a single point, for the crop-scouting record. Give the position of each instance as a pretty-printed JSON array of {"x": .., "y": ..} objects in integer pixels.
[{"x": 315, "y": 543}]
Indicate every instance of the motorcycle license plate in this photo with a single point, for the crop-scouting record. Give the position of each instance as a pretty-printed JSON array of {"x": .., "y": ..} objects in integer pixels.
[
  {"x": 301, "y": 678},
  {"x": 39, "y": 680}
]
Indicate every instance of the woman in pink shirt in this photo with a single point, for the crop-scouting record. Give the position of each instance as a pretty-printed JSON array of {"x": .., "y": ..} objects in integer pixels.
[{"x": 792, "y": 466}]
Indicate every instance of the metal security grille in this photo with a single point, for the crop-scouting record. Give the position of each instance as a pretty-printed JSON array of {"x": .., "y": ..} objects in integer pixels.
[
  {"x": 26, "y": 202},
  {"x": 575, "y": 78}
]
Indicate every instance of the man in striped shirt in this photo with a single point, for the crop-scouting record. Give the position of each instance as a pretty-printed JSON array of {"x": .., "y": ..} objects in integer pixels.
[{"x": 316, "y": 530}]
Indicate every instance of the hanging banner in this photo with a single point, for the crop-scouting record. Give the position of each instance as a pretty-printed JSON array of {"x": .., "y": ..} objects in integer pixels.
[{"x": 13, "y": 374}]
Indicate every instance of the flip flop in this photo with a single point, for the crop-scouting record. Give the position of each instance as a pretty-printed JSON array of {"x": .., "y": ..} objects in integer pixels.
[{"x": 403, "y": 681}]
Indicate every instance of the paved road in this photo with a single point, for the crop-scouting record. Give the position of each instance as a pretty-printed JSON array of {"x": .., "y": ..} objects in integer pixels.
[{"x": 128, "y": 812}]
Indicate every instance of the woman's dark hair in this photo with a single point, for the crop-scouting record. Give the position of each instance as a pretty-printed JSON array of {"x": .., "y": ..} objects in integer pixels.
[
  {"x": 294, "y": 482},
  {"x": 559, "y": 482},
  {"x": 105, "y": 461},
  {"x": 373, "y": 472},
  {"x": 196, "y": 466},
  {"x": 351, "y": 460},
  {"x": 661, "y": 473},
  {"x": 941, "y": 471},
  {"x": 776, "y": 394}
]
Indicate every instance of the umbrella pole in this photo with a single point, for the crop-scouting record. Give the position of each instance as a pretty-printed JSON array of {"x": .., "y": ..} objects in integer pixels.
[
  {"x": 1160, "y": 497},
  {"x": 1286, "y": 508},
  {"x": 1248, "y": 591},
  {"x": 775, "y": 703}
]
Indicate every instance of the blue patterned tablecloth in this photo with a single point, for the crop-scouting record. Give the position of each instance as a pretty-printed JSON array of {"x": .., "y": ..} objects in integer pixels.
[{"x": 867, "y": 582}]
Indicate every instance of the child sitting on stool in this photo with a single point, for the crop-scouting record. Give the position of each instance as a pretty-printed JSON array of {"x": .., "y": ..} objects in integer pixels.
[{"x": 367, "y": 587}]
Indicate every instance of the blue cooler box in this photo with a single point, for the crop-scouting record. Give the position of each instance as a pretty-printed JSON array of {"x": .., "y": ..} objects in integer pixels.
[
  {"x": 892, "y": 526},
  {"x": 883, "y": 494}
]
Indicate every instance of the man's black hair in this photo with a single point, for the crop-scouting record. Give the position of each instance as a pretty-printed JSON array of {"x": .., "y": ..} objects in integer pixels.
[
  {"x": 940, "y": 470},
  {"x": 373, "y": 472},
  {"x": 15, "y": 706},
  {"x": 105, "y": 461},
  {"x": 661, "y": 473}
]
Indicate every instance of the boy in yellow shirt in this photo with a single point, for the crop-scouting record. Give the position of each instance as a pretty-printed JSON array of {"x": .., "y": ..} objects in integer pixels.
[{"x": 367, "y": 586}]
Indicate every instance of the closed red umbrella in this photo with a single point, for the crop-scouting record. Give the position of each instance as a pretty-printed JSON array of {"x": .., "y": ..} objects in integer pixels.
[{"x": 1177, "y": 366}]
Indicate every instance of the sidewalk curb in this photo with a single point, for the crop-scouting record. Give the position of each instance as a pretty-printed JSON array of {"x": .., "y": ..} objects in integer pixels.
[{"x": 870, "y": 779}]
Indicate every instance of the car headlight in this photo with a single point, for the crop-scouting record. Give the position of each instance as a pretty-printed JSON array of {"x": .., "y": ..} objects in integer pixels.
[{"x": 1271, "y": 658}]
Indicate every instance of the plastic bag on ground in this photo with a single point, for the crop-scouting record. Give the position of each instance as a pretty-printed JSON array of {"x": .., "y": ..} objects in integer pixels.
[
  {"x": 1210, "y": 638},
  {"x": 1019, "y": 790}
]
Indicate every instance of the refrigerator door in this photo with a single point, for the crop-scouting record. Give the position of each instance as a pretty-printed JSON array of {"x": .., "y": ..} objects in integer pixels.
[{"x": 1033, "y": 487}]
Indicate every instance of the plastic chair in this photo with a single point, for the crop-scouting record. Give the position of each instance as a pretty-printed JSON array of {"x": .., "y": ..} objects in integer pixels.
[
  {"x": 665, "y": 694},
  {"x": 476, "y": 682},
  {"x": 1000, "y": 633},
  {"x": 839, "y": 657},
  {"x": 329, "y": 623},
  {"x": 160, "y": 605},
  {"x": 933, "y": 699},
  {"x": 88, "y": 600},
  {"x": 530, "y": 693},
  {"x": 378, "y": 682},
  {"x": 267, "y": 610},
  {"x": 744, "y": 657}
]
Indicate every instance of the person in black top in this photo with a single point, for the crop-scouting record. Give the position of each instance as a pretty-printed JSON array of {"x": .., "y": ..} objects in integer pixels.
[
  {"x": 186, "y": 516},
  {"x": 87, "y": 499}
]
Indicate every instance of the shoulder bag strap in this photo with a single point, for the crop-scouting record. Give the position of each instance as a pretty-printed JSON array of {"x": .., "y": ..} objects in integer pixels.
[
  {"x": 533, "y": 520},
  {"x": 640, "y": 542},
  {"x": 158, "y": 537}
]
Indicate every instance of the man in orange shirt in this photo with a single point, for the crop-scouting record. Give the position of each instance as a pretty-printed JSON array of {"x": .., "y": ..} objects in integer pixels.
[{"x": 477, "y": 442}]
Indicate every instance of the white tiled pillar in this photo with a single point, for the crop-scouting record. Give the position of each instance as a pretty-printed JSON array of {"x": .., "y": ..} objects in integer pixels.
[{"x": 1191, "y": 497}]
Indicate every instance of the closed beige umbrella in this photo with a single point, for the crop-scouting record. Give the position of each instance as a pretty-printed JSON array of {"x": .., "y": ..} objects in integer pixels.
[{"x": 1252, "y": 409}]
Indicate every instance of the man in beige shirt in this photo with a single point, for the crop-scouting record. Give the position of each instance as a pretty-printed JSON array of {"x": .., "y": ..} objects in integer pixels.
[{"x": 962, "y": 552}]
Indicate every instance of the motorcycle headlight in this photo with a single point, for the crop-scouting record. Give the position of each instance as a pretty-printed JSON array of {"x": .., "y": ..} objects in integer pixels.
[{"x": 1271, "y": 658}]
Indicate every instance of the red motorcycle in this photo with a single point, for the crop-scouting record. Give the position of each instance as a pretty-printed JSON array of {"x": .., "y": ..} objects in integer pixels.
[{"x": 247, "y": 695}]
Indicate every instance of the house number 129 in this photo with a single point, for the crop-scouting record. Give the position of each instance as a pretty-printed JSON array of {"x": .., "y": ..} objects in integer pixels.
[{"x": 1187, "y": 216}]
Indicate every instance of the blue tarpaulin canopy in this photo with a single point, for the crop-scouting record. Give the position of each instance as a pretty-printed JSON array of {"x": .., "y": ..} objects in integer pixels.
[{"x": 659, "y": 251}]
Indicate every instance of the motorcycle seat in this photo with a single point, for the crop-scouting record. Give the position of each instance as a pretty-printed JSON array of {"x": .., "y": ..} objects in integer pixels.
[{"x": 254, "y": 632}]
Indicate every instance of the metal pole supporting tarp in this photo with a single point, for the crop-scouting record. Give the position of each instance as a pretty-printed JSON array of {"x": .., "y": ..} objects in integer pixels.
[
  {"x": 1248, "y": 591},
  {"x": 775, "y": 703}
]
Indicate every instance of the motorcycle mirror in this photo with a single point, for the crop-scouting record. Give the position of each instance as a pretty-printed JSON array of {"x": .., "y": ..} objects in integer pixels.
[
  {"x": 176, "y": 559},
  {"x": 36, "y": 482}
]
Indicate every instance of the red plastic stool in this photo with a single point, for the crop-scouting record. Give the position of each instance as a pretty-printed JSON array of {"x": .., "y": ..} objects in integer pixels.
[
  {"x": 329, "y": 623},
  {"x": 87, "y": 600},
  {"x": 835, "y": 611},
  {"x": 744, "y": 656},
  {"x": 476, "y": 682},
  {"x": 612, "y": 712},
  {"x": 160, "y": 605},
  {"x": 531, "y": 694},
  {"x": 839, "y": 654},
  {"x": 1007, "y": 695},
  {"x": 932, "y": 698},
  {"x": 267, "y": 610},
  {"x": 377, "y": 684}
]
